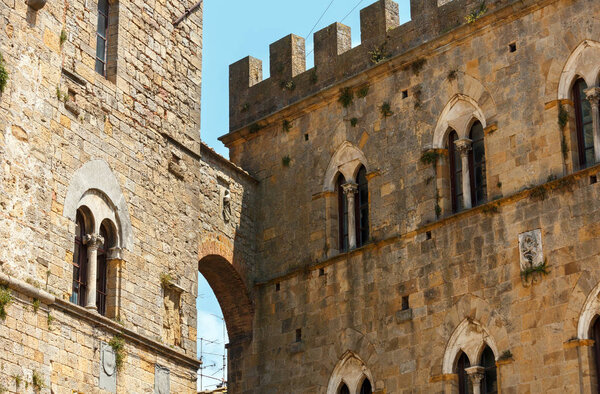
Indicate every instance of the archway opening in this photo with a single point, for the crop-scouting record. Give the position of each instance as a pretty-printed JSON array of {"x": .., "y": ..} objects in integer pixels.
[{"x": 225, "y": 317}]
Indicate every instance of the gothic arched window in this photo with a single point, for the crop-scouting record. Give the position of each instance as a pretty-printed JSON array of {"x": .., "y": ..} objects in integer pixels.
[
  {"x": 344, "y": 389},
  {"x": 585, "y": 128},
  {"x": 366, "y": 387},
  {"x": 489, "y": 384},
  {"x": 79, "y": 262},
  {"x": 464, "y": 384},
  {"x": 342, "y": 213},
  {"x": 102, "y": 270},
  {"x": 455, "y": 173},
  {"x": 477, "y": 165},
  {"x": 362, "y": 208}
]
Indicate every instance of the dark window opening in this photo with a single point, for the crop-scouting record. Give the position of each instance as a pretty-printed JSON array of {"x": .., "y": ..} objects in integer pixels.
[
  {"x": 321, "y": 271},
  {"x": 366, "y": 387},
  {"x": 305, "y": 137},
  {"x": 277, "y": 286},
  {"x": 404, "y": 94},
  {"x": 595, "y": 335},
  {"x": 299, "y": 335},
  {"x": 80, "y": 263},
  {"x": 512, "y": 47},
  {"x": 344, "y": 389},
  {"x": 455, "y": 173},
  {"x": 489, "y": 384},
  {"x": 342, "y": 214},
  {"x": 405, "y": 304},
  {"x": 464, "y": 383},
  {"x": 585, "y": 127},
  {"x": 362, "y": 208},
  {"x": 477, "y": 165},
  {"x": 593, "y": 179},
  {"x": 101, "y": 272},
  {"x": 428, "y": 235}
]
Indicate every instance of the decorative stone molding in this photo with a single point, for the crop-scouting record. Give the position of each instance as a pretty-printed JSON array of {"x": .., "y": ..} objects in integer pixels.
[
  {"x": 162, "y": 380},
  {"x": 108, "y": 368},
  {"x": 350, "y": 189},
  {"x": 476, "y": 375},
  {"x": 115, "y": 254},
  {"x": 530, "y": 249},
  {"x": 593, "y": 95}
]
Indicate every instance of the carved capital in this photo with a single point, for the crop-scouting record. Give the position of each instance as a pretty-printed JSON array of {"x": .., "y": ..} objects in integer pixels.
[
  {"x": 463, "y": 146},
  {"x": 93, "y": 241},
  {"x": 115, "y": 254},
  {"x": 350, "y": 188},
  {"x": 476, "y": 374},
  {"x": 593, "y": 95}
]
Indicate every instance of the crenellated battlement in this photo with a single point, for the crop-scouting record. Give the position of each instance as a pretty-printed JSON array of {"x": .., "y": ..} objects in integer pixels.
[{"x": 382, "y": 37}]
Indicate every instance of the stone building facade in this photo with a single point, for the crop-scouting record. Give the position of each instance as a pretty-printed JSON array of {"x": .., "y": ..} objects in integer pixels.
[
  {"x": 107, "y": 197},
  {"x": 428, "y": 202},
  {"x": 415, "y": 214}
]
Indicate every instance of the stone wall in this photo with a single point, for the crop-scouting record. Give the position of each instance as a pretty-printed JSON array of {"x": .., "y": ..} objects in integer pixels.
[
  {"x": 457, "y": 270},
  {"x": 140, "y": 127}
]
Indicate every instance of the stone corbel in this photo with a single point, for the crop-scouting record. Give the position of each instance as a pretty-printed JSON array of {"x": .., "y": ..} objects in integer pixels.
[
  {"x": 36, "y": 4},
  {"x": 476, "y": 375}
]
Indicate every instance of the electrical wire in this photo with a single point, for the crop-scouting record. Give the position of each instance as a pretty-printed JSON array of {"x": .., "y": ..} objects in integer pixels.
[
  {"x": 352, "y": 10},
  {"x": 319, "y": 20}
]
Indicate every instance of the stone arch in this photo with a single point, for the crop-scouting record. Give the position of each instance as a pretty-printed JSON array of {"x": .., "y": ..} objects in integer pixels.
[
  {"x": 459, "y": 114},
  {"x": 471, "y": 323},
  {"x": 215, "y": 264},
  {"x": 95, "y": 184},
  {"x": 581, "y": 305},
  {"x": 584, "y": 62},
  {"x": 350, "y": 370},
  {"x": 346, "y": 160}
]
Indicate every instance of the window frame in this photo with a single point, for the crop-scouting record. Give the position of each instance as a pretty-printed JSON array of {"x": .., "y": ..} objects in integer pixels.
[
  {"x": 488, "y": 370},
  {"x": 102, "y": 272},
  {"x": 104, "y": 38},
  {"x": 595, "y": 335},
  {"x": 455, "y": 170},
  {"x": 343, "y": 233},
  {"x": 80, "y": 263},
  {"x": 579, "y": 102},
  {"x": 464, "y": 384},
  {"x": 361, "y": 204},
  {"x": 473, "y": 166}
]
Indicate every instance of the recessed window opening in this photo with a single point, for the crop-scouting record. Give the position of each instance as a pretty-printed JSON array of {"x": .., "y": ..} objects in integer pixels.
[
  {"x": 299, "y": 335},
  {"x": 321, "y": 271},
  {"x": 455, "y": 173},
  {"x": 404, "y": 94},
  {"x": 478, "y": 165},
  {"x": 584, "y": 121},
  {"x": 80, "y": 262},
  {"x": 366, "y": 387},
  {"x": 344, "y": 389},
  {"x": 342, "y": 213},
  {"x": 277, "y": 286},
  {"x": 405, "y": 303},
  {"x": 489, "y": 384},
  {"x": 464, "y": 383},
  {"x": 593, "y": 179},
  {"x": 428, "y": 235},
  {"x": 305, "y": 137},
  {"x": 102, "y": 37},
  {"x": 512, "y": 47},
  {"x": 362, "y": 208}
]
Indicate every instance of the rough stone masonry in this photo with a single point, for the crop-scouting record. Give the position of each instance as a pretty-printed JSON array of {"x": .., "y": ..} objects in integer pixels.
[{"x": 415, "y": 214}]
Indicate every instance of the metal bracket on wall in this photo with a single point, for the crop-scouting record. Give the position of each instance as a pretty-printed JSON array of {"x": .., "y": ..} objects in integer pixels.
[{"x": 187, "y": 13}]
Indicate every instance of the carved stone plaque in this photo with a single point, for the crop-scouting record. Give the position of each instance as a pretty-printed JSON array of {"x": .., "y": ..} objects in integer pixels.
[
  {"x": 530, "y": 248},
  {"x": 108, "y": 368},
  {"x": 162, "y": 380}
]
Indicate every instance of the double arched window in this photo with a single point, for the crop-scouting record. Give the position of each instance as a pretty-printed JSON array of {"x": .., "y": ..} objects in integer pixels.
[
  {"x": 485, "y": 375},
  {"x": 585, "y": 124},
  {"x": 353, "y": 210},
  {"x": 91, "y": 254},
  {"x": 365, "y": 388},
  {"x": 467, "y": 168}
]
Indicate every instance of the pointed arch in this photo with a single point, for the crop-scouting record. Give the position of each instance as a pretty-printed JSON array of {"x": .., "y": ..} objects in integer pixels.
[
  {"x": 590, "y": 309},
  {"x": 584, "y": 62},
  {"x": 470, "y": 338},
  {"x": 351, "y": 371},
  {"x": 95, "y": 183},
  {"x": 458, "y": 115},
  {"x": 346, "y": 160}
]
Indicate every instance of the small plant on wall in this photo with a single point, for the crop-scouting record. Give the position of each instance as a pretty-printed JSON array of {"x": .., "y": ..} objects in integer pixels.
[
  {"x": 529, "y": 274},
  {"x": 286, "y": 160},
  {"x": 476, "y": 13},
  {"x": 5, "y": 300},
  {"x": 386, "y": 109},
  {"x": 166, "y": 280},
  {"x": 286, "y": 125},
  {"x": 346, "y": 97},
  {"x": 3, "y": 75},
  {"x": 353, "y": 122},
  {"x": 117, "y": 343}
]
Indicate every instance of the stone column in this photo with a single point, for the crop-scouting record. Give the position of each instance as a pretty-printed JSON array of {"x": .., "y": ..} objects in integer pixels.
[
  {"x": 593, "y": 95},
  {"x": 476, "y": 376},
  {"x": 114, "y": 267},
  {"x": 350, "y": 190},
  {"x": 93, "y": 242},
  {"x": 463, "y": 146}
]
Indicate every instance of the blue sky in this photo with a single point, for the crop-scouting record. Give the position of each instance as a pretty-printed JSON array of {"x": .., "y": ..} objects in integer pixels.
[{"x": 233, "y": 30}]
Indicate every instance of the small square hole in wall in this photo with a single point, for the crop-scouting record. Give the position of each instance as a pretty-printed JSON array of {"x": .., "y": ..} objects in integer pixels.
[
  {"x": 277, "y": 286},
  {"x": 593, "y": 179},
  {"x": 299, "y": 335},
  {"x": 428, "y": 235},
  {"x": 321, "y": 271},
  {"x": 305, "y": 137},
  {"x": 405, "y": 304},
  {"x": 512, "y": 47},
  {"x": 404, "y": 94}
]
